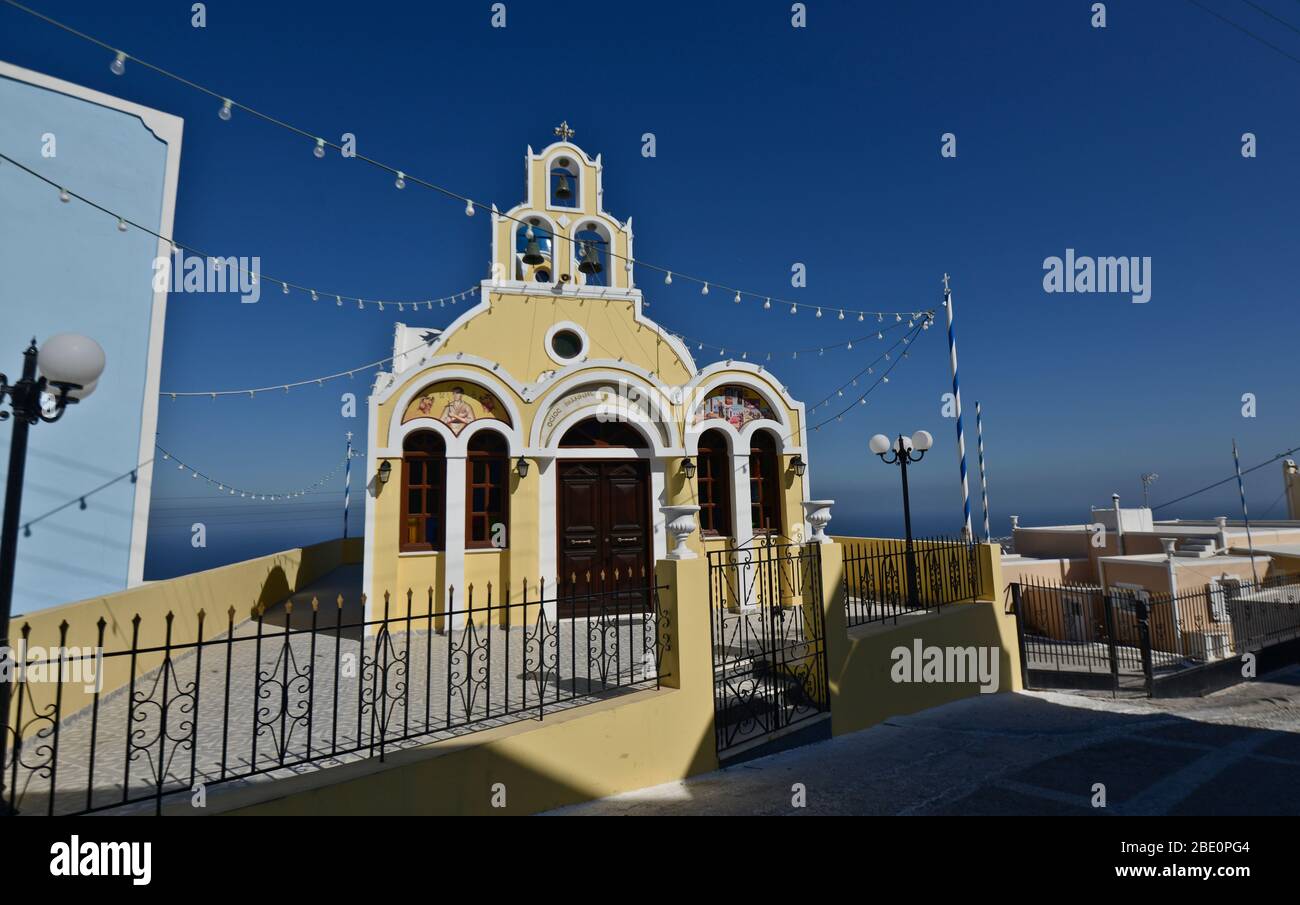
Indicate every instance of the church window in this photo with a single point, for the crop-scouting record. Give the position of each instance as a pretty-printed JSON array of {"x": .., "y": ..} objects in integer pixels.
[
  {"x": 424, "y": 498},
  {"x": 487, "y": 489},
  {"x": 714, "y": 480},
  {"x": 566, "y": 344},
  {"x": 764, "y": 484}
]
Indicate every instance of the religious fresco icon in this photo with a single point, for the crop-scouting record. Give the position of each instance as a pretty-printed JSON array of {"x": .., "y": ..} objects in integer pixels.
[
  {"x": 456, "y": 404},
  {"x": 736, "y": 405}
]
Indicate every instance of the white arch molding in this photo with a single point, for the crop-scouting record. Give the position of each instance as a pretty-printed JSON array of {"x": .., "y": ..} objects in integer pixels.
[
  {"x": 397, "y": 429},
  {"x": 667, "y": 444}
]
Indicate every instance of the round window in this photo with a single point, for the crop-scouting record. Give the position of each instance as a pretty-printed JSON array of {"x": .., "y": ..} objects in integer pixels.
[{"x": 566, "y": 344}]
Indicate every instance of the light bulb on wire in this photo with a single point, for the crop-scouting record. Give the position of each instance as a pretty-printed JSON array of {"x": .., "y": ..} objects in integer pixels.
[
  {"x": 224, "y": 112},
  {"x": 118, "y": 66},
  {"x": 469, "y": 208},
  {"x": 668, "y": 278},
  {"x": 400, "y": 181},
  {"x": 319, "y": 150}
]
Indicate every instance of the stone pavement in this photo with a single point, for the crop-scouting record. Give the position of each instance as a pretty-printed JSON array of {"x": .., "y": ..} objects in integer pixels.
[{"x": 1236, "y": 752}]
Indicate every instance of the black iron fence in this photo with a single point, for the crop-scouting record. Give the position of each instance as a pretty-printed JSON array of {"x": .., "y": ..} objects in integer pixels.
[
  {"x": 769, "y": 654},
  {"x": 299, "y": 688},
  {"x": 1084, "y": 636},
  {"x": 877, "y": 587}
]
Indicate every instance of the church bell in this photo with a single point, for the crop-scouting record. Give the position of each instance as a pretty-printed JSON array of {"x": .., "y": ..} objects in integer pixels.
[
  {"x": 590, "y": 261},
  {"x": 562, "y": 190},
  {"x": 532, "y": 252}
]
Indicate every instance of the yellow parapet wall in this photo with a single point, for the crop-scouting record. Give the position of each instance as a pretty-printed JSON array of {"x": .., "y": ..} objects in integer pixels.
[
  {"x": 264, "y": 581},
  {"x": 864, "y": 671}
]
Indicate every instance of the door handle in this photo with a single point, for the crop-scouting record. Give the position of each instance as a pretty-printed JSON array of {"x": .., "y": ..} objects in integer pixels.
[{"x": 580, "y": 541}]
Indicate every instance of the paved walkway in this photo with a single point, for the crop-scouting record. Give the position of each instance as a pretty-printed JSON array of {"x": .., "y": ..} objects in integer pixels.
[{"x": 1233, "y": 753}]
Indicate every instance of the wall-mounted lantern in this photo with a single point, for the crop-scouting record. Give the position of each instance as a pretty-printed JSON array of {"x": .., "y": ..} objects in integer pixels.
[
  {"x": 798, "y": 466},
  {"x": 688, "y": 468},
  {"x": 521, "y": 468},
  {"x": 385, "y": 471}
]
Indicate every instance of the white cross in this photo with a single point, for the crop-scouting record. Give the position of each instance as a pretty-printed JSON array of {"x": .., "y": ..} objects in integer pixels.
[{"x": 563, "y": 131}]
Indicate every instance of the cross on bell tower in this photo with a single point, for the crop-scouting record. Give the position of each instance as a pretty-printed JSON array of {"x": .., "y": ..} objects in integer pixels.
[{"x": 563, "y": 132}]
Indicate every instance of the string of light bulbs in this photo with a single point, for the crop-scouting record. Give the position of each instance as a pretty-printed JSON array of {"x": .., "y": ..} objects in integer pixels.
[
  {"x": 847, "y": 345},
  {"x": 231, "y": 490},
  {"x": 401, "y": 178},
  {"x": 286, "y": 387},
  {"x": 81, "y": 498},
  {"x": 838, "y": 392},
  {"x": 286, "y": 286},
  {"x": 881, "y": 380}
]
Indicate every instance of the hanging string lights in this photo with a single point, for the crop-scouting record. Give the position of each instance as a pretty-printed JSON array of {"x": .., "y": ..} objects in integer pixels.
[
  {"x": 286, "y": 286},
  {"x": 847, "y": 345},
  {"x": 401, "y": 178},
  {"x": 229, "y": 489}
]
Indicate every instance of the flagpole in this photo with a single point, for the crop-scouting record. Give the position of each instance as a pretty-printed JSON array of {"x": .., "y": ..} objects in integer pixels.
[
  {"x": 1241, "y": 486},
  {"x": 347, "y": 486},
  {"x": 984, "y": 484},
  {"x": 967, "y": 533}
]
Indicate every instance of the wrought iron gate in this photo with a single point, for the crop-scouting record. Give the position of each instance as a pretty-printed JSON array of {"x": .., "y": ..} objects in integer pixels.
[{"x": 769, "y": 652}]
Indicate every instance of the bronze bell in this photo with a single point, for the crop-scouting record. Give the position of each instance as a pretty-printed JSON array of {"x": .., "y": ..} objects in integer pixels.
[
  {"x": 532, "y": 252},
  {"x": 562, "y": 190},
  {"x": 590, "y": 261}
]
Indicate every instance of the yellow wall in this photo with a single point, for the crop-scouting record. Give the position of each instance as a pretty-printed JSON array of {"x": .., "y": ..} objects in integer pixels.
[{"x": 859, "y": 659}]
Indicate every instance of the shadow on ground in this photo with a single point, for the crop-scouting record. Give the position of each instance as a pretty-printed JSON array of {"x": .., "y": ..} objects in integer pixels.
[{"x": 1233, "y": 753}]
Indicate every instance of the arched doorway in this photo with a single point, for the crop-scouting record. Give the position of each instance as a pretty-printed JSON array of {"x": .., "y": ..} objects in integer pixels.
[{"x": 603, "y": 517}]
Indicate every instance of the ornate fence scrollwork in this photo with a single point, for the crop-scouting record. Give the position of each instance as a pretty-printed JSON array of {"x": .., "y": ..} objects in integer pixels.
[{"x": 769, "y": 657}]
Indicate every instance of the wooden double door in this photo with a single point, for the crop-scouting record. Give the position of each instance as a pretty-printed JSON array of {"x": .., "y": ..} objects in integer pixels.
[{"x": 604, "y": 526}]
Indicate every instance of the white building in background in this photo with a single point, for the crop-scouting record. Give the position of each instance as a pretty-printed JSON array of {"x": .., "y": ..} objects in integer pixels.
[{"x": 67, "y": 268}]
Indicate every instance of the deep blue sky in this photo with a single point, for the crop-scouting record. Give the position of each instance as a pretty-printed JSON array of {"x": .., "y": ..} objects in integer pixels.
[{"x": 775, "y": 145}]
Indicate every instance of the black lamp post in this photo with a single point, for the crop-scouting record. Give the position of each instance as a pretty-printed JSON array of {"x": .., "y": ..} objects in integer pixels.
[
  {"x": 900, "y": 453},
  {"x": 70, "y": 365}
]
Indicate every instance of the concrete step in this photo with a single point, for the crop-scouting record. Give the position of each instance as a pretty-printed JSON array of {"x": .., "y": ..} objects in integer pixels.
[{"x": 1198, "y": 547}]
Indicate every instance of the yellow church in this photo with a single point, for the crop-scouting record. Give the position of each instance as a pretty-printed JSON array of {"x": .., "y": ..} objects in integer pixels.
[{"x": 553, "y": 429}]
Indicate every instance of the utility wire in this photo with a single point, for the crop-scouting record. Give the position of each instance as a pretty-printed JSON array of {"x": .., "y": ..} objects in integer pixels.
[
  {"x": 1281, "y": 455},
  {"x": 1216, "y": 15},
  {"x": 1272, "y": 16}
]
